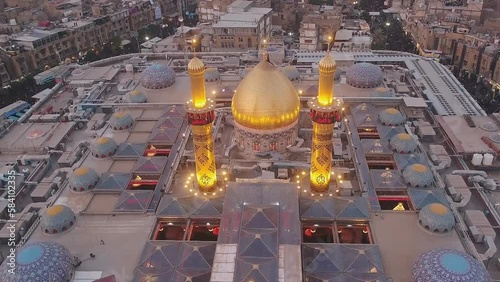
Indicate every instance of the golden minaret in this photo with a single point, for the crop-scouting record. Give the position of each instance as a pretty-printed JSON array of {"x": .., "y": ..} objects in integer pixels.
[
  {"x": 325, "y": 111},
  {"x": 200, "y": 113}
]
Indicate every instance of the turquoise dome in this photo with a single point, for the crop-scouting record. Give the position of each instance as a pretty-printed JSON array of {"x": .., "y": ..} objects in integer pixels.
[
  {"x": 418, "y": 175},
  {"x": 381, "y": 92},
  {"x": 448, "y": 266},
  {"x": 136, "y": 96},
  {"x": 121, "y": 121},
  {"x": 391, "y": 117},
  {"x": 158, "y": 76},
  {"x": 403, "y": 143},
  {"x": 83, "y": 179},
  {"x": 41, "y": 262},
  {"x": 211, "y": 75},
  {"x": 103, "y": 147},
  {"x": 57, "y": 219},
  {"x": 436, "y": 218}
]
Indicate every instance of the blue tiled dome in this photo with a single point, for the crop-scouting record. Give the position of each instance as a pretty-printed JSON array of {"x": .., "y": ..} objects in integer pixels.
[
  {"x": 158, "y": 76},
  {"x": 418, "y": 175},
  {"x": 364, "y": 75},
  {"x": 291, "y": 72},
  {"x": 136, "y": 96},
  {"x": 403, "y": 143},
  {"x": 83, "y": 179},
  {"x": 103, "y": 147},
  {"x": 381, "y": 92},
  {"x": 211, "y": 75},
  {"x": 391, "y": 117},
  {"x": 121, "y": 121},
  {"x": 448, "y": 266},
  {"x": 57, "y": 219},
  {"x": 436, "y": 218},
  {"x": 40, "y": 262}
]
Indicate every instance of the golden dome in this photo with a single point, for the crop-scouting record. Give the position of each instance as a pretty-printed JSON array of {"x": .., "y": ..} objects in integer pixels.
[
  {"x": 327, "y": 64},
  {"x": 265, "y": 99},
  {"x": 196, "y": 66}
]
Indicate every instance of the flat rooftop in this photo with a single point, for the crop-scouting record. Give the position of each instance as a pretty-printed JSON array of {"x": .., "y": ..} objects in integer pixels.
[{"x": 401, "y": 241}]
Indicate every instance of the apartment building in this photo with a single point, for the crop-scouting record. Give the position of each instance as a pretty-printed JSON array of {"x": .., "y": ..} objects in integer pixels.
[
  {"x": 470, "y": 9},
  {"x": 316, "y": 30},
  {"x": 36, "y": 48},
  {"x": 437, "y": 35},
  {"x": 476, "y": 54},
  {"x": 243, "y": 27}
]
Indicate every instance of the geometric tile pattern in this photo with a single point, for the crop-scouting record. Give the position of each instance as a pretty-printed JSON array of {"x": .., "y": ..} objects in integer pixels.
[
  {"x": 170, "y": 261},
  {"x": 341, "y": 262},
  {"x": 334, "y": 208}
]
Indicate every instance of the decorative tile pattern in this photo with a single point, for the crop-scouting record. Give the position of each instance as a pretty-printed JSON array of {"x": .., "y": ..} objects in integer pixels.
[
  {"x": 83, "y": 179},
  {"x": 448, "y": 266},
  {"x": 158, "y": 76},
  {"x": 41, "y": 261},
  {"x": 403, "y": 143},
  {"x": 103, "y": 147},
  {"x": 364, "y": 75},
  {"x": 418, "y": 175},
  {"x": 391, "y": 117},
  {"x": 57, "y": 219},
  {"x": 121, "y": 121},
  {"x": 437, "y": 218}
]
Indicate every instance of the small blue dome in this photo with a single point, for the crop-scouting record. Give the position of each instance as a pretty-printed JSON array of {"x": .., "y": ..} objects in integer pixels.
[
  {"x": 291, "y": 72},
  {"x": 83, "y": 179},
  {"x": 57, "y": 219},
  {"x": 381, "y": 92},
  {"x": 391, "y": 117},
  {"x": 211, "y": 75},
  {"x": 436, "y": 218},
  {"x": 448, "y": 266},
  {"x": 403, "y": 143},
  {"x": 121, "y": 121},
  {"x": 158, "y": 76},
  {"x": 41, "y": 261},
  {"x": 364, "y": 75},
  {"x": 103, "y": 147},
  {"x": 418, "y": 175},
  {"x": 136, "y": 96}
]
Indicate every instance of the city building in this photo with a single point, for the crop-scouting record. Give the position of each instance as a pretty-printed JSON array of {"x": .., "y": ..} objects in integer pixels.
[
  {"x": 243, "y": 27},
  {"x": 317, "y": 28}
]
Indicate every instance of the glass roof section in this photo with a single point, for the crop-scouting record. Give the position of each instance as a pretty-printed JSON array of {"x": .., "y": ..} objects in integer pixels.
[
  {"x": 176, "y": 261},
  {"x": 194, "y": 207},
  {"x": 262, "y": 270},
  {"x": 404, "y": 160},
  {"x": 154, "y": 165},
  {"x": 421, "y": 198},
  {"x": 174, "y": 111},
  {"x": 334, "y": 209},
  {"x": 163, "y": 135},
  {"x": 375, "y": 147},
  {"x": 115, "y": 182},
  {"x": 169, "y": 122},
  {"x": 135, "y": 201},
  {"x": 127, "y": 150},
  {"x": 387, "y": 132},
  {"x": 383, "y": 179},
  {"x": 342, "y": 262}
]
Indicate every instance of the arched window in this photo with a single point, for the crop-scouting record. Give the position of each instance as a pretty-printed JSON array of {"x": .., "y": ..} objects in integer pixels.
[
  {"x": 249, "y": 43},
  {"x": 274, "y": 145},
  {"x": 256, "y": 146}
]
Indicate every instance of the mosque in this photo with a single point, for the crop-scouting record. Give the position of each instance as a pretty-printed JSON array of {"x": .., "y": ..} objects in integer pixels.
[{"x": 274, "y": 203}]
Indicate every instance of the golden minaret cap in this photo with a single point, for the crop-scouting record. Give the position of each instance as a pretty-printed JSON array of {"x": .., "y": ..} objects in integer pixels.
[
  {"x": 327, "y": 64},
  {"x": 196, "y": 66}
]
